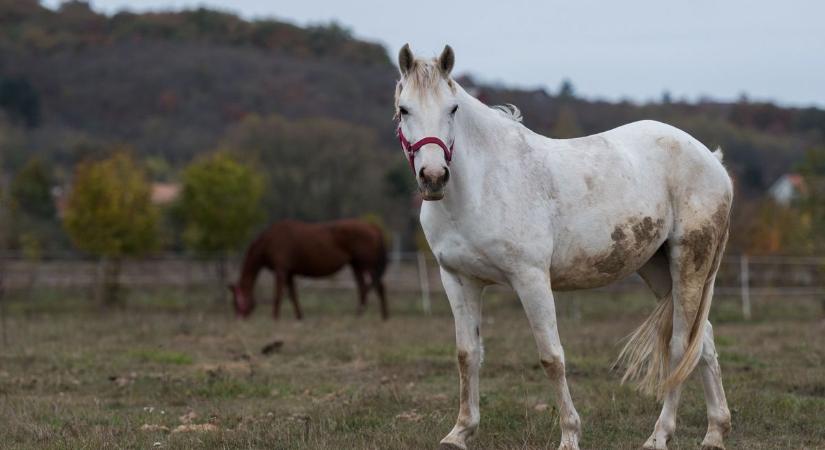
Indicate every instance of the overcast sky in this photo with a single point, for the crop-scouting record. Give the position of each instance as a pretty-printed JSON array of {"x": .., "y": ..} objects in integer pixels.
[{"x": 634, "y": 49}]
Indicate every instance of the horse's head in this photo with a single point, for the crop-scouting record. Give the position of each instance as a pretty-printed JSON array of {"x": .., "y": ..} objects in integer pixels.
[
  {"x": 426, "y": 106},
  {"x": 244, "y": 304}
]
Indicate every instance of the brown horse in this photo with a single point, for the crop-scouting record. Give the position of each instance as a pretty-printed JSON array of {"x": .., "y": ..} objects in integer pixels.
[{"x": 289, "y": 248}]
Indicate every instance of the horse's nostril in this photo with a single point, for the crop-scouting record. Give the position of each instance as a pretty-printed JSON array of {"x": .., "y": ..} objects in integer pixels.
[{"x": 434, "y": 177}]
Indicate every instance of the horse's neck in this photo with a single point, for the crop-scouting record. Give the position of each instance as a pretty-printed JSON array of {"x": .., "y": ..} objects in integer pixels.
[
  {"x": 484, "y": 142},
  {"x": 252, "y": 264}
]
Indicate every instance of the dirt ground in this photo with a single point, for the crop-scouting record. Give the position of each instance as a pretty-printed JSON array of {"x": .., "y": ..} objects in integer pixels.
[{"x": 163, "y": 372}]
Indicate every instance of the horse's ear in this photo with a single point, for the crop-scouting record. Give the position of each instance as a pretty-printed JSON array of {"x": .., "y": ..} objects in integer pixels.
[
  {"x": 405, "y": 59},
  {"x": 446, "y": 61}
]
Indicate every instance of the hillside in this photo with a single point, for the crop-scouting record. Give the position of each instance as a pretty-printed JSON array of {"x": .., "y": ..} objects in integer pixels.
[{"x": 171, "y": 86}]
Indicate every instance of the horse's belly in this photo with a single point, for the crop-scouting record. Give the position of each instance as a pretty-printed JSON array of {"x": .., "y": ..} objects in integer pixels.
[
  {"x": 630, "y": 246},
  {"x": 319, "y": 265},
  {"x": 583, "y": 276},
  {"x": 318, "y": 271}
]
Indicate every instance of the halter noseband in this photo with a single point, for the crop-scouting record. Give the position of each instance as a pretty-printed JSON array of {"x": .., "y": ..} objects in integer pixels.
[{"x": 411, "y": 149}]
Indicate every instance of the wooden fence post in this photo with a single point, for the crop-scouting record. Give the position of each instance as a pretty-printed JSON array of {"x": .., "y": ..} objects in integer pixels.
[
  {"x": 2, "y": 300},
  {"x": 744, "y": 282}
]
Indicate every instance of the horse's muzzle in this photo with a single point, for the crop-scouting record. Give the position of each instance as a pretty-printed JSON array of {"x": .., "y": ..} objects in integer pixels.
[{"x": 431, "y": 182}]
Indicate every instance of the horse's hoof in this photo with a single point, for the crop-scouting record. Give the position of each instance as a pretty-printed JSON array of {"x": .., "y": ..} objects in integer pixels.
[{"x": 713, "y": 447}]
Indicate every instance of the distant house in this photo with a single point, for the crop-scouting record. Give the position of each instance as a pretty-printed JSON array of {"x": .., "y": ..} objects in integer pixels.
[
  {"x": 788, "y": 189},
  {"x": 61, "y": 200},
  {"x": 165, "y": 193}
]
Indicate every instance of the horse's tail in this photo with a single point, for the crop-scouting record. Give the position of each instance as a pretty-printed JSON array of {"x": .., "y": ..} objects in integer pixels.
[
  {"x": 646, "y": 355},
  {"x": 718, "y": 154}
]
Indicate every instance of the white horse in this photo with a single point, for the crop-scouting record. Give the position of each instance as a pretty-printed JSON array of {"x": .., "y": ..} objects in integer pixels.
[{"x": 520, "y": 209}]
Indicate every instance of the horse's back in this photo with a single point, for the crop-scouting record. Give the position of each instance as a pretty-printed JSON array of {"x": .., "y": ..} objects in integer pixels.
[
  {"x": 304, "y": 248},
  {"x": 645, "y": 155},
  {"x": 364, "y": 241},
  {"x": 697, "y": 181},
  {"x": 682, "y": 156}
]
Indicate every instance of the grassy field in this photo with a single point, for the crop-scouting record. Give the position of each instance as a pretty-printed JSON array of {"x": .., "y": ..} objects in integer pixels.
[{"x": 163, "y": 372}]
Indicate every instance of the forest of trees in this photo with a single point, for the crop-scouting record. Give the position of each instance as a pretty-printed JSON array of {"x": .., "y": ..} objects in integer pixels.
[{"x": 311, "y": 109}]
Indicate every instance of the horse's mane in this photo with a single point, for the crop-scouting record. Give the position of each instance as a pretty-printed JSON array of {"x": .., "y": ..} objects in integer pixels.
[
  {"x": 425, "y": 74},
  {"x": 509, "y": 111}
]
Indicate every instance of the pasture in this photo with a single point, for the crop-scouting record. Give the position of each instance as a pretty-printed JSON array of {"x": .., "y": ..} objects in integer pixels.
[{"x": 166, "y": 372}]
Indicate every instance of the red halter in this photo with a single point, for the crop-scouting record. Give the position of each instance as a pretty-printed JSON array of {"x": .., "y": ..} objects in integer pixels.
[{"x": 411, "y": 149}]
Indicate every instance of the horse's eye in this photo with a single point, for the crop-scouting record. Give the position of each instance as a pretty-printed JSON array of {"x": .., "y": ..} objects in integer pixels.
[
  {"x": 452, "y": 111},
  {"x": 403, "y": 111}
]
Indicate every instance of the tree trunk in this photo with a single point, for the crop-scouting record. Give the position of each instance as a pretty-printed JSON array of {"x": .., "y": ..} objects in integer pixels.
[
  {"x": 111, "y": 285},
  {"x": 221, "y": 266}
]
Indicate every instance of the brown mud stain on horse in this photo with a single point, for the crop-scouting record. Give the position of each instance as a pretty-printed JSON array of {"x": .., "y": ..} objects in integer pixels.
[{"x": 291, "y": 248}]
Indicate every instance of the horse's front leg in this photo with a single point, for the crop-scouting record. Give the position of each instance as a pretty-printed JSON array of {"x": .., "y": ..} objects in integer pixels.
[
  {"x": 465, "y": 301},
  {"x": 533, "y": 288},
  {"x": 280, "y": 279}
]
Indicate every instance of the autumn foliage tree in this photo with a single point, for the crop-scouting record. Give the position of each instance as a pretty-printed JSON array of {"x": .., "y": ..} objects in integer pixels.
[
  {"x": 220, "y": 205},
  {"x": 31, "y": 189},
  {"x": 813, "y": 200},
  {"x": 109, "y": 214}
]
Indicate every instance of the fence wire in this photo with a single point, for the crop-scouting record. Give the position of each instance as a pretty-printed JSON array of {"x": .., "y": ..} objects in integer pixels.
[{"x": 741, "y": 276}]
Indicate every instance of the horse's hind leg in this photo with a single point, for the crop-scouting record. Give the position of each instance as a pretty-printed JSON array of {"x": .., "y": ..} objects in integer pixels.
[
  {"x": 656, "y": 273},
  {"x": 358, "y": 274},
  {"x": 685, "y": 290},
  {"x": 378, "y": 285},
  {"x": 693, "y": 258},
  {"x": 293, "y": 295},
  {"x": 717, "y": 405}
]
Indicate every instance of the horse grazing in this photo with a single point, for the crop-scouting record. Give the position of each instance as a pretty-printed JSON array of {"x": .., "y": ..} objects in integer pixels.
[
  {"x": 509, "y": 206},
  {"x": 289, "y": 248}
]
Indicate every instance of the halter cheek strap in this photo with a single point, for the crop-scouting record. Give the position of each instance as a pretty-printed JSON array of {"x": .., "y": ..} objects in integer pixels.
[{"x": 411, "y": 149}]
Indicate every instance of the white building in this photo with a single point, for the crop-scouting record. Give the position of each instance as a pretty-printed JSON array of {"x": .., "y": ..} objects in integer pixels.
[{"x": 788, "y": 188}]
